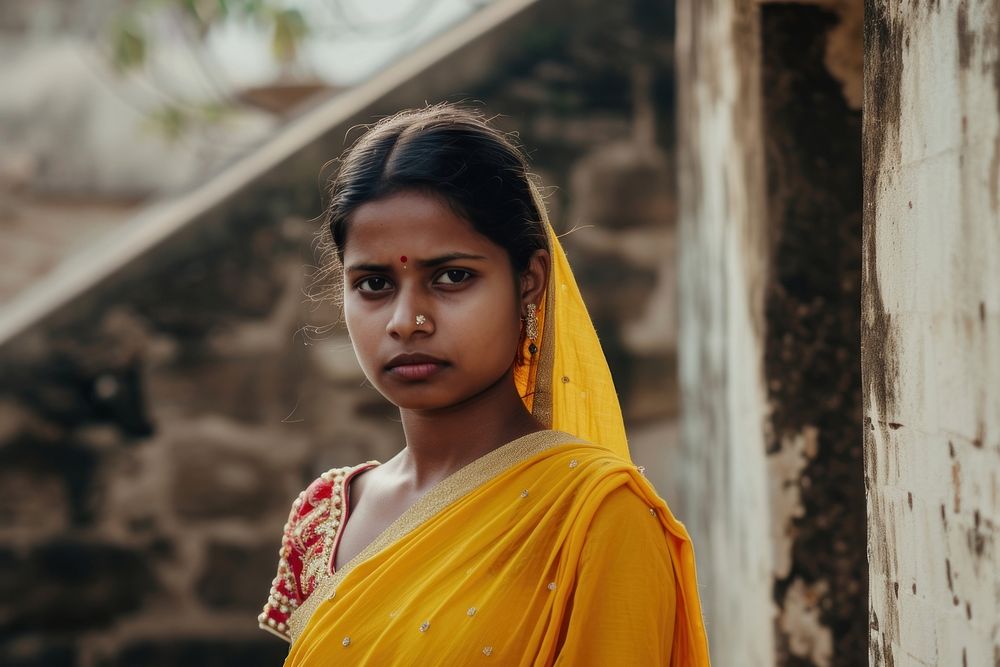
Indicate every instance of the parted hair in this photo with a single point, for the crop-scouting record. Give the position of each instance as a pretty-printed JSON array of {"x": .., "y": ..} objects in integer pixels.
[{"x": 447, "y": 151}]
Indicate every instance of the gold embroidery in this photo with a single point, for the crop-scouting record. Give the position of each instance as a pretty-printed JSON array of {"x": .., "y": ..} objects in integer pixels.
[
  {"x": 443, "y": 494},
  {"x": 305, "y": 529},
  {"x": 312, "y": 568},
  {"x": 322, "y": 520},
  {"x": 285, "y": 572},
  {"x": 321, "y": 527}
]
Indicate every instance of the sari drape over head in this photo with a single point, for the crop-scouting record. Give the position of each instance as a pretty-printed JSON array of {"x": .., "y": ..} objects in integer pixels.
[{"x": 552, "y": 549}]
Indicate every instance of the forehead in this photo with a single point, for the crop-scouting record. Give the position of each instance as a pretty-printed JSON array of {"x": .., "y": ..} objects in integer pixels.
[{"x": 413, "y": 224}]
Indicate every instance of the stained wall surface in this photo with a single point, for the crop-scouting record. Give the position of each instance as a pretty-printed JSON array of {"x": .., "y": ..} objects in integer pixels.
[{"x": 931, "y": 330}]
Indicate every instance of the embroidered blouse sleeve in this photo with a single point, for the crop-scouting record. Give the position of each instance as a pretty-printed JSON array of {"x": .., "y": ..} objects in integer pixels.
[
  {"x": 304, "y": 542},
  {"x": 624, "y": 603}
]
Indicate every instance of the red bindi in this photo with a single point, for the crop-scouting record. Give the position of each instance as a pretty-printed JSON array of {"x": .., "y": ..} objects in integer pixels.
[{"x": 403, "y": 259}]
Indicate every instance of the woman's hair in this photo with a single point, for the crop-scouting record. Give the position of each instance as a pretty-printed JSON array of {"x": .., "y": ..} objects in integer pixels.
[{"x": 449, "y": 152}]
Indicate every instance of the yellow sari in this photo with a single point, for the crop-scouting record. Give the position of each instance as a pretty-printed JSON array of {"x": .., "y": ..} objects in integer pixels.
[{"x": 550, "y": 550}]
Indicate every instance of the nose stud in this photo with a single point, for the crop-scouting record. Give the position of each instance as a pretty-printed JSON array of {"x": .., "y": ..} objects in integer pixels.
[{"x": 421, "y": 319}]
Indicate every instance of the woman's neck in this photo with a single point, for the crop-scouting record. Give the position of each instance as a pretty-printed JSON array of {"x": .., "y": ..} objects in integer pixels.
[{"x": 441, "y": 442}]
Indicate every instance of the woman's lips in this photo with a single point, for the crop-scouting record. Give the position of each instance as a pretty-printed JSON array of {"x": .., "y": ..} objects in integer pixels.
[{"x": 420, "y": 371}]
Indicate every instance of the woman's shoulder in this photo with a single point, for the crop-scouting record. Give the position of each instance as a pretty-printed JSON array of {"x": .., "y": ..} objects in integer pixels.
[
  {"x": 306, "y": 539},
  {"x": 323, "y": 487},
  {"x": 589, "y": 457},
  {"x": 619, "y": 496},
  {"x": 321, "y": 498},
  {"x": 614, "y": 487}
]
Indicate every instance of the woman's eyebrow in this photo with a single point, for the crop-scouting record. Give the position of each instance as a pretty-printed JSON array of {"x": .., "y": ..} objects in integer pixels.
[
  {"x": 444, "y": 259},
  {"x": 425, "y": 263}
]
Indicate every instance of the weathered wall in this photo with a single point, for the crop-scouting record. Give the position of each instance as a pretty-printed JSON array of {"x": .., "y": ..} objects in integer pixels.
[
  {"x": 155, "y": 430},
  {"x": 770, "y": 238},
  {"x": 931, "y": 330},
  {"x": 722, "y": 272},
  {"x": 812, "y": 130}
]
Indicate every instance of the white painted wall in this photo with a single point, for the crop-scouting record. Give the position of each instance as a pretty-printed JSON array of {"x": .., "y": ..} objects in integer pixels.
[
  {"x": 722, "y": 470},
  {"x": 932, "y": 331}
]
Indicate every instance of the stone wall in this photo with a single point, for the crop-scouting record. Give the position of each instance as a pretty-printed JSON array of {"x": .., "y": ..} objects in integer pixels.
[
  {"x": 931, "y": 330},
  {"x": 154, "y": 431}
]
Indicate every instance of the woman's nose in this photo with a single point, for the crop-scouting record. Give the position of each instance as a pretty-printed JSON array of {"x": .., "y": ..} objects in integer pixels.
[{"x": 410, "y": 316}]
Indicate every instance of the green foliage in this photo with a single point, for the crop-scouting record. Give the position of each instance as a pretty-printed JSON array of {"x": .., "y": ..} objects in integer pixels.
[
  {"x": 173, "y": 121},
  {"x": 170, "y": 121},
  {"x": 132, "y": 39},
  {"x": 290, "y": 30},
  {"x": 128, "y": 45}
]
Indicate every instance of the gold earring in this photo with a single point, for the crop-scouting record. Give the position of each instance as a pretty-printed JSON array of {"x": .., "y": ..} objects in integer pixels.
[{"x": 531, "y": 327}]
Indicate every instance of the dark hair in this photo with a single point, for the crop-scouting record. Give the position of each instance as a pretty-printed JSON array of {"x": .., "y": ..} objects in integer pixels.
[{"x": 447, "y": 151}]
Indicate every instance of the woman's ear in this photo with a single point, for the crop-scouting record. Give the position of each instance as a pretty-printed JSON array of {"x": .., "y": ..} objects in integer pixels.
[{"x": 535, "y": 277}]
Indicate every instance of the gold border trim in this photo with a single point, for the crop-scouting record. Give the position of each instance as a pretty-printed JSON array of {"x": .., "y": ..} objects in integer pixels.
[
  {"x": 541, "y": 406},
  {"x": 430, "y": 504}
]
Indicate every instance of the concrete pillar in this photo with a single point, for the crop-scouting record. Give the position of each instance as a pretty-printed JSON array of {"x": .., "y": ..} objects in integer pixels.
[
  {"x": 931, "y": 330},
  {"x": 722, "y": 248}
]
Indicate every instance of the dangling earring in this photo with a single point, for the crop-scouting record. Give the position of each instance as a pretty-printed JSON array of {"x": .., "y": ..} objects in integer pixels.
[{"x": 531, "y": 327}]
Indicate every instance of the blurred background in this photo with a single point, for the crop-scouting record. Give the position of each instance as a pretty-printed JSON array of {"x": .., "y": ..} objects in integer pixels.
[
  {"x": 168, "y": 386},
  {"x": 812, "y": 384}
]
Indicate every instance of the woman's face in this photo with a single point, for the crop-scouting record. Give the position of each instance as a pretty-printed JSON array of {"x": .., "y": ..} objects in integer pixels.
[{"x": 410, "y": 255}]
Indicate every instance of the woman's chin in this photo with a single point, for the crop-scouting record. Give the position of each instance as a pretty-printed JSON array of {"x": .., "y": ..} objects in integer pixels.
[
  {"x": 428, "y": 400},
  {"x": 413, "y": 397},
  {"x": 432, "y": 394}
]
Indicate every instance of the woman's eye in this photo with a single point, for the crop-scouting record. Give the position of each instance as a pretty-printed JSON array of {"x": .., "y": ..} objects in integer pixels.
[
  {"x": 375, "y": 284},
  {"x": 454, "y": 276}
]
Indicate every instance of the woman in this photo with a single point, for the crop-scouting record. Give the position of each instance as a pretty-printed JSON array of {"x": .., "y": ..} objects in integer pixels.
[{"x": 512, "y": 528}]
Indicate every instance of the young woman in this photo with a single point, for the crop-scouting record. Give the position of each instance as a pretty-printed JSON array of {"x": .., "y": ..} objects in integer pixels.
[{"x": 512, "y": 528}]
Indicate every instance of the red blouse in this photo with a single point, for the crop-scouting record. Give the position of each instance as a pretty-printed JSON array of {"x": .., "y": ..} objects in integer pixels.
[{"x": 308, "y": 545}]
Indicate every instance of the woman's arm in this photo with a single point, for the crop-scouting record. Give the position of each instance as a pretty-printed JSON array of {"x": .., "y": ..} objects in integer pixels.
[{"x": 624, "y": 603}]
